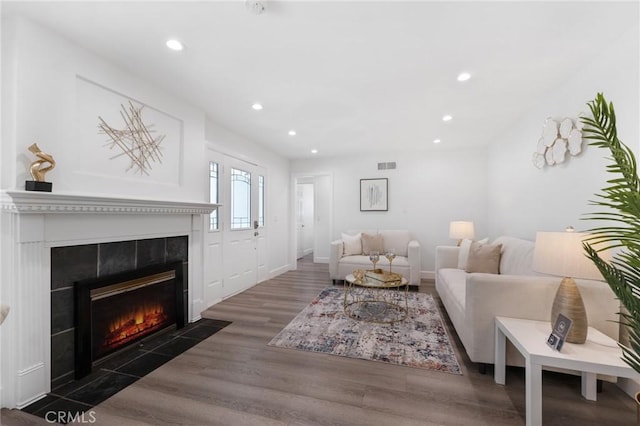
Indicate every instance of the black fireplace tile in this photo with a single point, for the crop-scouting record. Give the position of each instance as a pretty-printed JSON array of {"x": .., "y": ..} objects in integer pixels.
[
  {"x": 206, "y": 322},
  {"x": 150, "y": 252},
  {"x": 40, "y": 404},
  {"x": 119, "y": 359},
  {"x": 201, "y": 332},
  {"x": 116, "y": 257},
  {"x": 63, "y": 380},
  {"x": 157, "y": 340},
  {"x": 102, "y": 388},
  {"x": 64, "y": 411},
  {"x": 176, "y": 346},
  {"x": 177, "y": 249},
  {"x": 68, "y": 388},
  {"x": 73, "y": 263},
  {"x": 145, "y": 364},
  {"x": 62, "y": 353},
  {"x": 61, "y": 310}
]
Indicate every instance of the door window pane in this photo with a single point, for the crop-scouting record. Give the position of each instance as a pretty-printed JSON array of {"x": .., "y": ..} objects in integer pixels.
[
  {"x": 240, "y": 199},
  {"x": 213, "y": 195},
  {"x": 260, "y": 200}
]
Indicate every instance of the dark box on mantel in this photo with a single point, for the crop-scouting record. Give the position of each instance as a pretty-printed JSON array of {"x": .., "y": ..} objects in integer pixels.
[{"x": 34, "y": 185}]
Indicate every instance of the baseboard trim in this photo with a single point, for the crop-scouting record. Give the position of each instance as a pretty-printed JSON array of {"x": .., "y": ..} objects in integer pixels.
[
  {"x": 320, "y": 260},
  {"x": 279, "y": 270},
  {"x": 428, "y": 275}
]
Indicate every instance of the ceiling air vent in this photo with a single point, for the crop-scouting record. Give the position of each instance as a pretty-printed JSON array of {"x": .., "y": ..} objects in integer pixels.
[{"x": 387, "y": 166}]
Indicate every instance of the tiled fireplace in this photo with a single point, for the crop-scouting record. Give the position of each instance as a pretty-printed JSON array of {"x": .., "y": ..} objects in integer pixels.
[
  {"x": 49, "y": 241},
  {"x": 92, "y": 265}
]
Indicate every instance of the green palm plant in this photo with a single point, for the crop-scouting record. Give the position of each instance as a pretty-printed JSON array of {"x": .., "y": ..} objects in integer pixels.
[{"x": 620, "y": 220}]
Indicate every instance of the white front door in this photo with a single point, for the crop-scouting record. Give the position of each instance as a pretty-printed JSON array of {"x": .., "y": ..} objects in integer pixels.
[
  {"x": 212, "y": 249},
  {"x": 244, "y": 232}
]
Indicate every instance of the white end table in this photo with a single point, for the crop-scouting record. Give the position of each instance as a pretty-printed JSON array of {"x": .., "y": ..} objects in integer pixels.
[{"x": 600, "y": 354}]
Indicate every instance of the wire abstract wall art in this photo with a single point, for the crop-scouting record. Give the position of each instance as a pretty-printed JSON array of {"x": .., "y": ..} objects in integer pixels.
[{"x": 136, "y": 140}]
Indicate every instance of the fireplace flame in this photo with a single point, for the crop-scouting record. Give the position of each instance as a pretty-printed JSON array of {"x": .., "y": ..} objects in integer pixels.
[{"x": 133, "y": 323}]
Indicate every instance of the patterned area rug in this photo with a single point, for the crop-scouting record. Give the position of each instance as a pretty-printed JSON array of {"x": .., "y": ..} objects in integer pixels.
[{"x": 419, "y": 341}]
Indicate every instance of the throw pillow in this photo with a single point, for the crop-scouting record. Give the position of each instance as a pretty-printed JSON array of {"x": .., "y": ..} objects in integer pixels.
[
  {"x": 371, "y": 242},
  {"x": 484, "y": 258},
  {"x": 463, "y": 253},
  {"x": 352, "y": 244}
]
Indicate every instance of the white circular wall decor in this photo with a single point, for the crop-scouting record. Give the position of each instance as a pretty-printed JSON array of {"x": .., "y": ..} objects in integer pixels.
[{"x": 557, "y": 138}]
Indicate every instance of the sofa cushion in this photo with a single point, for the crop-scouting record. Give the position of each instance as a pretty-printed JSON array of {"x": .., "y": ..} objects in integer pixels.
[
  {"x": 517, "y": 256},
  {"x": 357, "y": 260},
  {"x": 398, "y": 240},
  {"x": 463, "y": 253},
  {"x": 352, "y": 244},
  {"x": 371, "y": 242},
  {"x": 484, "y": 258}
]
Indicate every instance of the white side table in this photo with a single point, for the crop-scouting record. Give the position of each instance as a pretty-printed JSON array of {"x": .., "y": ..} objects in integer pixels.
[{"x": 598, "y": 355}]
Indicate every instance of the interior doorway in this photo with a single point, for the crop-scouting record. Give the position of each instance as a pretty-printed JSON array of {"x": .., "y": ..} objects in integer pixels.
[
  {"x": 304, "y": 219},
  {"x": 312, "y": 206}
]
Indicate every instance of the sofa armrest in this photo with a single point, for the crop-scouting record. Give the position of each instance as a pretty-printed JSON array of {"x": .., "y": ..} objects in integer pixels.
[
  {"x": 335, "y": 254},
  {"x": 531, "y": 297},
  {"x": 414, "y": 258},
  {"x": 446, "y": 257}
]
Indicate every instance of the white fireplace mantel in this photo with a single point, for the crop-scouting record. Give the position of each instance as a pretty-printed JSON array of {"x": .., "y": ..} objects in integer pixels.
[
  {"x": 50, "y": 202},
  {"x": 34, "y": 222}
]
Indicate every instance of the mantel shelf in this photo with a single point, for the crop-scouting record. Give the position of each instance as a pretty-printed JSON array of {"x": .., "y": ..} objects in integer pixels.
[{"x": 50, "y": 202}]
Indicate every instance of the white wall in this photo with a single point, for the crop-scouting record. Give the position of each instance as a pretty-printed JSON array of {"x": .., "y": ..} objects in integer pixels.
[
  {"x": 426, "y": 191},
  {"x": 42, "y": 106},
  {"x": 524, "y": 199},
  {"x": 277, "y": 195}
]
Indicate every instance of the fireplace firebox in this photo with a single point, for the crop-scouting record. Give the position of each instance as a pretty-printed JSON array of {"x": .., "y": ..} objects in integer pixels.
[{"x": 116, "y": 311}]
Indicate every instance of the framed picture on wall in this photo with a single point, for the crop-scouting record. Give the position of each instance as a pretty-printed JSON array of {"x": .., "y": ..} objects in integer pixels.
[{"x": 374, "y": 195}]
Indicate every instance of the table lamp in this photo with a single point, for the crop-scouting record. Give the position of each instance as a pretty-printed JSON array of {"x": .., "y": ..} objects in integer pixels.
[
  {"x": 459, "y": 230},
  {"x": 562, "y": 254}
]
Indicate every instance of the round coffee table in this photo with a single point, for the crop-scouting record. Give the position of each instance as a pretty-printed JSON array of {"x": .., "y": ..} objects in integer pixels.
[{"x": 376, "y": 301}]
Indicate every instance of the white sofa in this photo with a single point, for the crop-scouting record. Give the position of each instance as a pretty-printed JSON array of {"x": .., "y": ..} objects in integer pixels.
[
  {"x": 473, "y": 300},
  {"x": 407, "y": 261}
]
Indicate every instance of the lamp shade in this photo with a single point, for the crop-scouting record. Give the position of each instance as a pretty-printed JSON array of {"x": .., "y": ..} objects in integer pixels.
[
  {"x": 562, "y": 254},
  {"x": 459, "y": 230}
]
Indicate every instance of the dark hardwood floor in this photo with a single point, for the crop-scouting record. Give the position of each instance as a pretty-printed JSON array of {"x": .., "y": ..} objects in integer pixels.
[{"x": 234, "y": 378}]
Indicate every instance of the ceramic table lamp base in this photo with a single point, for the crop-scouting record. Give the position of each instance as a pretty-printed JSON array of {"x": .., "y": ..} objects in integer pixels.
[{"x": 569, "y": 303}]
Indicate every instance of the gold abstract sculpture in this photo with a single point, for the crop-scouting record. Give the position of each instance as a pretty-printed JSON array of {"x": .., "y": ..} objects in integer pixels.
[
  {"x": 135, "y": 140},
  {"x": 36, "y": 169}
]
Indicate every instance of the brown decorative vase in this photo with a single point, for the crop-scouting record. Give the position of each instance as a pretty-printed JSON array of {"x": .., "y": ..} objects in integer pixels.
[
  {"x": 568, "y": 302},
  {"x": 637, "y": 408}
]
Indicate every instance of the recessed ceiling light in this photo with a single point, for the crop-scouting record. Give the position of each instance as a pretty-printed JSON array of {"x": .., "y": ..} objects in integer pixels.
[
  {"x": 437, "y": 141},
  {"x": 314, "y": 151},
  {"x": 464, "y": 76},
  {"x": 174, "y": 44},
  {"x": 292, "y": 132},
  {"x": 256, "y": 106},
  {"x": 447, "y": 117}
]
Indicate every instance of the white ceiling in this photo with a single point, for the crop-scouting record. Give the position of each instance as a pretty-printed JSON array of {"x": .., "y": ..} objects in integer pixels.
[{"x": 348, "y": 76}]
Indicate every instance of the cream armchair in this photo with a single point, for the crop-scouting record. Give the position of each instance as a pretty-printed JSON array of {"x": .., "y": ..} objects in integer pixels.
[{"x": 407, "y": 262}]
